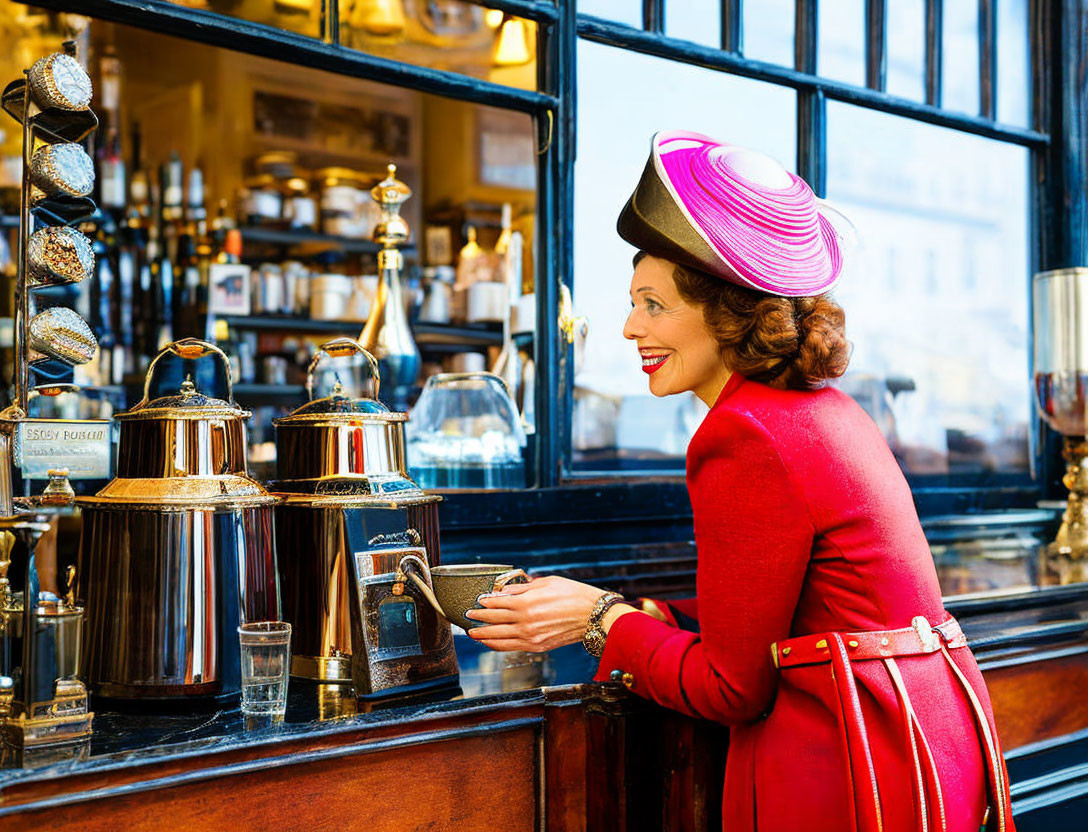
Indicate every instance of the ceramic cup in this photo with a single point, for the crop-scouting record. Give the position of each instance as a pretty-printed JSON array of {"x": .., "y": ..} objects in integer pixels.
[{"x": 455, "y": 589}]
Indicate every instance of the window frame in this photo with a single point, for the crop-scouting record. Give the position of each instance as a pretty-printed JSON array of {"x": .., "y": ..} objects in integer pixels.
[
  {"x": 934, "y": 494},
  {"x": 1059, "y": 225}
]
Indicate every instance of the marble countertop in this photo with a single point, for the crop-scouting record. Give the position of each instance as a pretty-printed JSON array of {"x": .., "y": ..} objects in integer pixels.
[{"x": 150, "y": 734}]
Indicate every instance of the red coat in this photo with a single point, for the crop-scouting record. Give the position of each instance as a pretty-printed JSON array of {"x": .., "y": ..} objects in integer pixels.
[{"x": 804, "y": 524}]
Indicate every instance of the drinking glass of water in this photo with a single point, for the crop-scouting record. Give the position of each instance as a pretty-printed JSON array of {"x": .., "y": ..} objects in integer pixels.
[{"x": 266, "y": 664}]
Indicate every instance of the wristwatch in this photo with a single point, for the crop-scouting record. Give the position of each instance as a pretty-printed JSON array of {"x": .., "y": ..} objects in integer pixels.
[{"x": 594, "y": 638}]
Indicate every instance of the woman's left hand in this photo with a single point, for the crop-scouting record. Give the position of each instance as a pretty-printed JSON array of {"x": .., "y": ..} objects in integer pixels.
[{"x": 535, "y": 617}]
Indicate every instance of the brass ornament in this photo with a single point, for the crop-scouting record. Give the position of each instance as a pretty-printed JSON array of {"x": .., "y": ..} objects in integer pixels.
[
  {"x": 1065, "y": 559},
  {"x": 62, "y": 169},
  {"x": 58, "y": 80},
  {"x": 59, "y": 255},
  {"x": 60, "y": 333}
]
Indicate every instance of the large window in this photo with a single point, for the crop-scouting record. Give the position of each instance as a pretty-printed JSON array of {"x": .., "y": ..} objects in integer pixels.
[
  {"x": 936, "y": 298},
  {"x": 937, "y": 291}
]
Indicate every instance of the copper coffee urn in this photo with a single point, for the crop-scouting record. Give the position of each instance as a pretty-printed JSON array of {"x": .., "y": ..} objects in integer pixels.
[
  {"x": 178, "y": 549},
  {"x": 350, "y": 515}
]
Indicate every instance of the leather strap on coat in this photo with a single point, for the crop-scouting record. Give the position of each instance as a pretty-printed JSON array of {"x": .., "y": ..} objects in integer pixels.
[{"x": 840, "y": 651}]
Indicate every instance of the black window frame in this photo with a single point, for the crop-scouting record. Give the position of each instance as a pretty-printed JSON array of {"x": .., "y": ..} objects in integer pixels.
[
  {"x": 1059, "y": 219},
  {"x": 1056, "y": 165}
]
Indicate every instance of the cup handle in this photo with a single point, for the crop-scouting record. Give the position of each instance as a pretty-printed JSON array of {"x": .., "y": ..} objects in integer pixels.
[
  {"x": 514, "y": 576},
  {"x": 424, "y": 586}
]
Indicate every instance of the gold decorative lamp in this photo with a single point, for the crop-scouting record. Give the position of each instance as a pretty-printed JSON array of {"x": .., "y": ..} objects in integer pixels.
[
  {"x": 1061, "y": 394},
  {"x": 386, "y": 334}
]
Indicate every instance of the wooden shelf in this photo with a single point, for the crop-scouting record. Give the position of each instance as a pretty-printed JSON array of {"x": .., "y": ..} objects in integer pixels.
[
  {"x": 287, "y": 238},
  {"x": 439, "y": 336},
  {"x": 285, "y": 323}
]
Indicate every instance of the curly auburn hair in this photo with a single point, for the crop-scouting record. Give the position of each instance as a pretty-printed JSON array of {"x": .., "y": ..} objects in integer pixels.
[{"x": 791, "y": 343}]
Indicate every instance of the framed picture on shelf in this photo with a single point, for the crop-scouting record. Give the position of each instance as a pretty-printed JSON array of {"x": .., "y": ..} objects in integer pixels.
[
  {"x": 228, "y": 289},
  {"x": 506, "y": 150}
]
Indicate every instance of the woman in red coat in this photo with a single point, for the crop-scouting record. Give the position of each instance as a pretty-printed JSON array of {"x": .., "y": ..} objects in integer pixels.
[{"x": 817, "y": 633}]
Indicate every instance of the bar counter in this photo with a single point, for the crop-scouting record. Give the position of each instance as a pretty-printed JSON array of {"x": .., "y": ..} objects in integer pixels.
[
  {"x": 525, "y": 743},
  {"x": 529, "y": 742},
  {"x": 470, "y": 757}
]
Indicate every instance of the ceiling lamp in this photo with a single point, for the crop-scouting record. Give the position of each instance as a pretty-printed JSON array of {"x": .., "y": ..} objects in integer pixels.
[
  {"x": 379, "y": 17},
  {"x": 512, "y": 43}
]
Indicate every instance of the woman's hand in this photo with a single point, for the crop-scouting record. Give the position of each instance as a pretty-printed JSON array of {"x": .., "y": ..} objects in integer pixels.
[{"x": 535, "y": 617}]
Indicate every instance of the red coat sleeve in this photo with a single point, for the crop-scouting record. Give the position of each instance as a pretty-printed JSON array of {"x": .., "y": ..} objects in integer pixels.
[
  {"x": 753, "y": 533},
  {"x": 671, "y": 609},
  {"x": 686, "y": 606}
]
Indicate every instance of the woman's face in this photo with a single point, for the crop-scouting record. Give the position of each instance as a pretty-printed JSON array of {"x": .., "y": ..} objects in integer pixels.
[{"x": 677, "y": 350}]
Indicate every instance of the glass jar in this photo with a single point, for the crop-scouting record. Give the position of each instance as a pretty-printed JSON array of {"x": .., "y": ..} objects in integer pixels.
[
  {"x": 343, "y": 195},
  {"x": 262, "y": 201},
  {"x": 299, "y": 205},
  {"x": 438, "y": 301},
  {"x": 277, "y": 163},
  {"x": 466, "y": 432}
]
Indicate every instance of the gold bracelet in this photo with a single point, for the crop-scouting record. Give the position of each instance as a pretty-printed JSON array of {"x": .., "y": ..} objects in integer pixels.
[{"x": 594, "y": 637}]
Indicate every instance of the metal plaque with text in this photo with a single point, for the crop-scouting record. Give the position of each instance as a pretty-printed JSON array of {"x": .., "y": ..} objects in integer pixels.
[{"x": 83, "y": 447}]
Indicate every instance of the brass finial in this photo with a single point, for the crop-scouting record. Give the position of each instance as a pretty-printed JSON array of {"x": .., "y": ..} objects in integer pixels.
[{"x": 70, "y": 583}]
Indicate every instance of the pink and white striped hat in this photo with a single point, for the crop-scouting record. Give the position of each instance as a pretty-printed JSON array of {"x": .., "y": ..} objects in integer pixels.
[{"x": 734, "y": 213}]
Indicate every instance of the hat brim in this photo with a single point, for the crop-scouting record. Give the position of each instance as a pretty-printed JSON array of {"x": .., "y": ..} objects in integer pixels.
[
  {"x": 653, "y": 222},
  {"x": 656, "y": 220}
]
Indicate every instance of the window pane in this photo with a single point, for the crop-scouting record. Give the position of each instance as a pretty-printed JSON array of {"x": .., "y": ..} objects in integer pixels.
[
  {"x": 615, "y": 415},
  {"x": 936, "y": 302},
  {"x": 841, "y": 40},
  {"x": 906, "y": 30},
  {"x": 302, "y": 16},
  {"x": 959, "y": 57},
  {"x": 622, "y": 11},
  {"x": 699, "y": 21},
  {"x": 445, "y": 34},
  {"x": 1013, "y": 65},
  {"x": 768, "y": 31}
]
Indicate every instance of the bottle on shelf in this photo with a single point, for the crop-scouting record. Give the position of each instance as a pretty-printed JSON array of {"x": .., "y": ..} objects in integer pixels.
[
  {"x": 232, "y": 247},
  {"x": 193, "y": 257},
  {"x": 508, "y": 250},
  {"x": 112, "y": 196}
]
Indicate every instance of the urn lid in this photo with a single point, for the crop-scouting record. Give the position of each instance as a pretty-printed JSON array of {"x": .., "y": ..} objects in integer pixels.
[
  {"x": 343, "y": 446},
  {"x": 162, "y": 467},
  {"x": 187, "y": 402},
  {"x": 338, "y": 390}
]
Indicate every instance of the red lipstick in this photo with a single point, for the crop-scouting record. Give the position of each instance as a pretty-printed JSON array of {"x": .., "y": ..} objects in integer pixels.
[{"x": 658, "y": 363}]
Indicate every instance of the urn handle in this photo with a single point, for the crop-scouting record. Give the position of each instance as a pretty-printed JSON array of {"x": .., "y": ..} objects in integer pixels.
[
  {"x": 189, "y": 349},
  {"x": 340, "y": 348}
]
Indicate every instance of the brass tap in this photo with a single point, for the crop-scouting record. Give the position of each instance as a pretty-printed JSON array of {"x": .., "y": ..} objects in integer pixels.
[
  {"x": 70, "y": 582},
  {"x": 7, "y": 543}
]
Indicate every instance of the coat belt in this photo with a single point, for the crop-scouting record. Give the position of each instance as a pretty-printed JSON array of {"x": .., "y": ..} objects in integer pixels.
[{"x": 916, "y": 640}]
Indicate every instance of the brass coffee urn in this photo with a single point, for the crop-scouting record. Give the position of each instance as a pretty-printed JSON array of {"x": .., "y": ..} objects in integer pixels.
[
  {"x": 178, "y": 549},
  {"x": 350, "y": 515}
]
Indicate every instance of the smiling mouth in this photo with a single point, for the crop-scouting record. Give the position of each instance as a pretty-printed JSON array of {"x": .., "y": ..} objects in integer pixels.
[{"x": 653, "y": 363}]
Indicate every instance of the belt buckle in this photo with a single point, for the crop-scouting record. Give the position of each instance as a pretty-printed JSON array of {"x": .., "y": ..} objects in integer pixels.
[{"x": 931, "y": 642}]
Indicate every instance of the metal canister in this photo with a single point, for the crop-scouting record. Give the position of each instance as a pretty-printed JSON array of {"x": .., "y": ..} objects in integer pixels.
[
  {"x": 349, "y": 509},
  {"x": 178, "y": 549}
]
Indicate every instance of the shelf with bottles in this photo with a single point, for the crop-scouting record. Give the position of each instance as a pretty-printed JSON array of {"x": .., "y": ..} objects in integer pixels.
[
  {"x": 254, "y": 236},
  {"x": 426, "y": 334}
]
